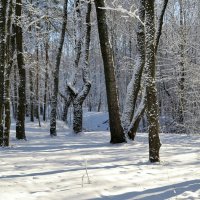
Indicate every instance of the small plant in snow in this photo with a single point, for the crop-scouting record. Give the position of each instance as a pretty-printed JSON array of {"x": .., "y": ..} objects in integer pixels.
[{"x": 86, "y": 173}]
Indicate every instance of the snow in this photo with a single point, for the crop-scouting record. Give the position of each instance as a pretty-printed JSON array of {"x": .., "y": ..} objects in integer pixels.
[{"x": 48, "y": 168}]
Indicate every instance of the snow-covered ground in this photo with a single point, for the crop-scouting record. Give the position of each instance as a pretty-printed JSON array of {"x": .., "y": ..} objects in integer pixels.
[{"x": 45, "y": 168}]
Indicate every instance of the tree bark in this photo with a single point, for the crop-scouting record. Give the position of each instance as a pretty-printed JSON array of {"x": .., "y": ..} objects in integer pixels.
[
  {"x": 21, "y": 109},
  {"x": 56, "y": 74},
  {"x": 78, "y": 46},
  {"x": 46, "y": 77},
  {"x": 152, "y": 104},
  {"x": 3, "y": 6},
  {"x": 116, "y": 130},
  {"x": 160, "y": 25},
  {"x": 10, "y": 41},
  {"x": 31, "y": 95},
  {"x": 135, "y": 83},
  {"x": 181, "y": 83},
  {"x": 80, "y": 98},
  {"x": 78, "y": 110}
]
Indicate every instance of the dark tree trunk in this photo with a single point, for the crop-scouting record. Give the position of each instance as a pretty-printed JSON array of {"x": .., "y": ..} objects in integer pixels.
[
  {"x": 3, "y": 5},
  {"x": 15, "y": 99},
  {"x": 56, "y": 74},
  {"x": 117, "y": 134},
  {"x": 137, "y": 117},
  {"x": 152, "y": 104},
  {"x": 78, "y": 111},
  {"x": 67, "y": 103},
  {"x": 21, "y": 109},
  {"x": 181, "y": 83},
  {"x": 37, "y": 109},
  {"x": 31, "y": 95},
  {"x": 46, "y": 80}
]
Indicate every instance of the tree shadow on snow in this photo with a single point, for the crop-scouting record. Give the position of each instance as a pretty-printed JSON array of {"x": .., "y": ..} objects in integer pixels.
[{"x": 159, "y": 193}]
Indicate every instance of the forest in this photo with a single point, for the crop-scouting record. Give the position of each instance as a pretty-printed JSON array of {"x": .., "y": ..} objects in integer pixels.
[{"x": 76, "y": 75}]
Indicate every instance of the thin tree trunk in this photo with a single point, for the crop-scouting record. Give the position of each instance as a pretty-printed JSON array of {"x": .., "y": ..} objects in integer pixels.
[
  {"x": 37, "y": 87},
  {"x": 135, "y": 83},
  {"x": 31, "y": 95},
  {"x": 3, "y": 5},
  {"x": 160, "y": 25},
  {"x": 134, "y": 86},
  {"x": 31, "y": 78},
  {"x": 152, "y": 104},
  {"x": 46, "y": 78},
  {"x": 21, "y": 109},
  {"x": 15, "y": 87},
  {"x": 56, "y": 74},
  {"x": 10, "y": 56},
  {"x": 117, "y": 134},
  {"x": 181, "y": 84}
]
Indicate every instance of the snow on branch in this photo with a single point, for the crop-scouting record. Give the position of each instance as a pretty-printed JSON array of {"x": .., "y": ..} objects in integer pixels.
[{"x": 129, "y": 13}]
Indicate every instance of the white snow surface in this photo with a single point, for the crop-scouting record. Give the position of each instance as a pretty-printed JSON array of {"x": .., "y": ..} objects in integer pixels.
[{"x": 45, "y": 168}]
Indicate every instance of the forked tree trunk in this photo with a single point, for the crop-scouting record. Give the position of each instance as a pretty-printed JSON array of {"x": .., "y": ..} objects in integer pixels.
[
  {"x": 56, "y": 74},
  {"x": 116, "y": 130},
  {"x": 78, "y": 47},
  {"x": 135, "y": 83},
  {"x": 21, "y": 109},
  {"x": 80, "y": 98},
  {"x": 78, "y": 110},
  {"x": 152, "y": 104}
]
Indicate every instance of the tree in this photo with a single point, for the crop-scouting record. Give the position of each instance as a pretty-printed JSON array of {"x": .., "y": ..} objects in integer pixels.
[
  {"x": 21, "y": 109},
  {"x": 152, "y": 104},
  {"x": 116, "y": 130},
  {"x": 81, "y": 96},
  {"x": 10, "y": 49},
  {"x": 131, "y": 117},
  {"x": 56, "y": 74},
  {"x": 3, "y": 7}
]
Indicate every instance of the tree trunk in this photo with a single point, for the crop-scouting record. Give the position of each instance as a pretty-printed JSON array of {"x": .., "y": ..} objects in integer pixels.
[
  {"x": 117, "y": 134},
  {"x": 21, "y": 109},
  {"x": 181, "y": 83},
  {"x": 137, "y": 117},
  {"x": 78, "y": 111},
  {"x": 67, "y": 103},
  {"x": 135, "y": 83},
  {"x": 78, "y": 101},
  {"x": 37, "y": 109},
  {"x": 46, "y": 79},
  {"x": 3, "y": 5},
  {"x": 31, "y": 95},
  {"x": 152, "y": 104},
  {"x": 78, "y": 42},
  {"x": 15, "y": 87},
  {"x": 10, "y": 41},
  {"x": 56, "y": 74}
]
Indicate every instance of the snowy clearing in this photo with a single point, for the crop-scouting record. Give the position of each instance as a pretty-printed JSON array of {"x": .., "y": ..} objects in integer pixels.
[{"x": 45, "y": 168}]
